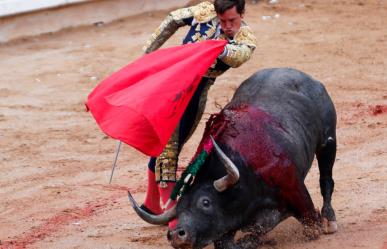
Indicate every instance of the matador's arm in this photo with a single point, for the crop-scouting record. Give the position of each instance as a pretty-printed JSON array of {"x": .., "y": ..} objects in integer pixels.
[
  {"x": 240, "y": 49},
  {"x": 175, "y": 20}
]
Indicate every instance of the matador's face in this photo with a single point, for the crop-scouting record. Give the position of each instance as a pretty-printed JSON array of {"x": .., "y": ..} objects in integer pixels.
[{"x": 230, "y": 21}]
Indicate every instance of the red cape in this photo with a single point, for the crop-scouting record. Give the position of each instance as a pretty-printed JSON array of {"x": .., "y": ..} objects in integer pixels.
[{"x": 142, "y": 103}]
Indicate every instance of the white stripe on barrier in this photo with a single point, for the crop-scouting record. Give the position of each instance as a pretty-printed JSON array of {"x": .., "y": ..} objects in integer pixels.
[{"x": 13, "y": 7}]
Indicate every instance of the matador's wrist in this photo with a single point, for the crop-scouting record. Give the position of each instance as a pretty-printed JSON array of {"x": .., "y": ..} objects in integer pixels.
[{"x": 223, "y": 54}]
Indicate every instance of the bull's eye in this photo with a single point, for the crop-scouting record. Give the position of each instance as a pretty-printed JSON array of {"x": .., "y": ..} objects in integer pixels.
[{"x": 204, "y": 204}]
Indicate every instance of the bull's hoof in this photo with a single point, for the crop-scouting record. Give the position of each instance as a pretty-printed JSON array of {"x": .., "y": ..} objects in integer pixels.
[
  {"x": 329, "y": 227},
  {"x": 312, "y": 232}
]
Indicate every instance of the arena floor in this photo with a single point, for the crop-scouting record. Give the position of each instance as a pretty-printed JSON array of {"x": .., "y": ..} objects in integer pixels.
[{"x": 55, "y": 163}]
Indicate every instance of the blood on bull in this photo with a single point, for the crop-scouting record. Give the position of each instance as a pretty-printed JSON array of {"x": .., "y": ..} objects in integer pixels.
[{"x": 259, "y": 149}]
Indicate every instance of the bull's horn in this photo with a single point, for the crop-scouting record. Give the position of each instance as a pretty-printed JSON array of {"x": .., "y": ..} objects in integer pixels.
[
  {"x": 232, "y": 171},
  {"x": 161, "y": 219}
]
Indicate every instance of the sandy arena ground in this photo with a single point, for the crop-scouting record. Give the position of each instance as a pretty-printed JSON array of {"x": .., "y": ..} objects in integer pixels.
[{"x": 55, "y": 163}]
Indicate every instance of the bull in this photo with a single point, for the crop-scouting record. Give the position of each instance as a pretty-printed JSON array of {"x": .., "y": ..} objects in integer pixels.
[{"x": 264, "y": 142}]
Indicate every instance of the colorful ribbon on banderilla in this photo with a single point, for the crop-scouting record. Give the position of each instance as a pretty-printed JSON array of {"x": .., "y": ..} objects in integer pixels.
[
  {"x": 190, "y": 172},
  {"x": 215, "y": 125}
]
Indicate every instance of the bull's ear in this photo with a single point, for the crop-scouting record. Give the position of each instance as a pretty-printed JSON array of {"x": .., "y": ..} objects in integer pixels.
[
  {"x": 161, "y": 219},
  {"x": 232, "y": 176}
]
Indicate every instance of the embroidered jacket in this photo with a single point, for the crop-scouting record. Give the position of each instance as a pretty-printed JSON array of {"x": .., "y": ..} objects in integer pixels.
[{"x": 204, "y": 25}]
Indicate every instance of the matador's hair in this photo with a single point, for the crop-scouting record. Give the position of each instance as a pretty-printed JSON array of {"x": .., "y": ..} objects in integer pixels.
[{"x": 222, "y": 5}]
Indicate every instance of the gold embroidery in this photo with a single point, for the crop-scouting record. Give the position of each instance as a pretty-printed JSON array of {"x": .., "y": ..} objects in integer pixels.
[
  {"x": 166, "y": 163},
  {"x": 166, "y": 29},
  {"x": 209, "y": 33},
  {"x": 204, "y": 12},
  {"x": 180, "y": 14},
  {"x": 211, "y": 28},
  {"x": 196, "y": 37},
  {"x": 197, "y": 29},
  {"x": 245, "y": 36},
  {"x": 241, "y": 50}
]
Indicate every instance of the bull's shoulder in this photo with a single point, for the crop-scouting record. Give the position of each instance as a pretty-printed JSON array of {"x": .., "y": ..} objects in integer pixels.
[
  {"x": 280, "y": 83},
  {"x": 289, "y": 95},
  {"x": 287, "y": 79}
]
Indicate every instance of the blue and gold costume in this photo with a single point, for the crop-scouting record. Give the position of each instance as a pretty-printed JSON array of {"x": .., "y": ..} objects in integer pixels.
[{"x": 204, "y": 25}]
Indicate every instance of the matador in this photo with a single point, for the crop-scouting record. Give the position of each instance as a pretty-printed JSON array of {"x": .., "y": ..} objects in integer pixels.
[{"x": 222, "y": 19}]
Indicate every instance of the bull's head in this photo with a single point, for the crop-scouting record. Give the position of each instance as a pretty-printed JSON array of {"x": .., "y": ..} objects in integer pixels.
[
  {"x": 198, "y": 216},
  {"x": 220, "y": 185},
  {"x": 215, "y": 204}
]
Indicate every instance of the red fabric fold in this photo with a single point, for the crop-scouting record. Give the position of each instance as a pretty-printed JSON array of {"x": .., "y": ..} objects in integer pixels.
[{"x": 142, "y": 103}]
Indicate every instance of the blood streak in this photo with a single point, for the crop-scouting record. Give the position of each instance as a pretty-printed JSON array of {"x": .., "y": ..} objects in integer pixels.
[
  {"x": 378, "y": 109},
  {"x": 56, "y": 222},
  {"x": 253, "y": 136}
]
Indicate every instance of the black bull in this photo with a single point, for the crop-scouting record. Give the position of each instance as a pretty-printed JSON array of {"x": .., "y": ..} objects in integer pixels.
[{"x": 266, "y": 139}]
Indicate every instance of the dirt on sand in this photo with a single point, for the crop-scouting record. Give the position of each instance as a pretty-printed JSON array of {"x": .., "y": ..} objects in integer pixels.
[{"x": 55, "y": 163}]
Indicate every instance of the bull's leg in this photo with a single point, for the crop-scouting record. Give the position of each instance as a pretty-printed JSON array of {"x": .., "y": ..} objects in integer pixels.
[
  {"x": 226, "y": 241},
  {"x": 303, "y": 208},
  {"x": 250, "y": 241},
  {"x": 326, "y": 157},
  {"x": 265, "y": 221},
  {"x": 299, "y": 202}
]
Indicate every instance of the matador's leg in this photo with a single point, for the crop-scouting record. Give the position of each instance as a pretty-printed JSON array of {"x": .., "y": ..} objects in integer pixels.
[
  {"x": 152, "y": 198},
  {"x": 166, "y": 163},
  {"x": 162, "y": 170},
  {"x": 194, "y": 111}
]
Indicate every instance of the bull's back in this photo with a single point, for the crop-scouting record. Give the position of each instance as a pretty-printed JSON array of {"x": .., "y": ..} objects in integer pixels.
[{"x": 298, "y": 102}]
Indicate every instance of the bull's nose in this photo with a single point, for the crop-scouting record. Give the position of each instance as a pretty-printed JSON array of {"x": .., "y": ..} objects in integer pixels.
[
  {"x": 181, "y": 234},
  {"x": 178, "y": 237},
  {"x": 177, "y": 234}
]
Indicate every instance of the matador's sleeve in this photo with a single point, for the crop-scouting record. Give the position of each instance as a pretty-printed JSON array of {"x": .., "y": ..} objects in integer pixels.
[
  {"x": 173, "y": 21},
  {"x": 240, "y": 49}
]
